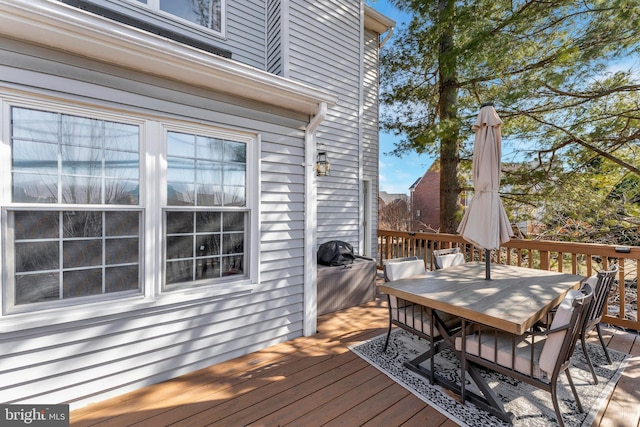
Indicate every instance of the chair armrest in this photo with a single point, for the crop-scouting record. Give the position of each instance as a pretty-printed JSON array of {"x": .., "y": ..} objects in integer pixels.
[{"x": 545, "y": 333}]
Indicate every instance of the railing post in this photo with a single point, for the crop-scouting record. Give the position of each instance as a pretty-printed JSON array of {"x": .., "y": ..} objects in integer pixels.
[
  {"x": 560, "y": 262},
  {"x": 622, "y": 289},
  {"x": 544, "y": 260}
]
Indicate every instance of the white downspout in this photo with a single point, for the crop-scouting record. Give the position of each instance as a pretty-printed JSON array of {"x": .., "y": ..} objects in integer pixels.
[
  {"x": 362, "y": 249},
  {"x": 311, "y": 224}
]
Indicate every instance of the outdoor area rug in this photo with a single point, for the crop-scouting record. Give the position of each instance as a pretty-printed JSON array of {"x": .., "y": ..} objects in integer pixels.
[{"x": 531, "y": 406}]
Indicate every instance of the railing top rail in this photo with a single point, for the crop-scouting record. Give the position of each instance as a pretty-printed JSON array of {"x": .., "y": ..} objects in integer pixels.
[{"x": 614, "y": 251}]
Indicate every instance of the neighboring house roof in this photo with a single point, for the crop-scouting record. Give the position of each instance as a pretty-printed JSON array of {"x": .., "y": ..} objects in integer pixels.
[
  {"x": 417, "y": 181},
  {"x": 389, "y": 198},
  {"x": 434, "y": 168}
]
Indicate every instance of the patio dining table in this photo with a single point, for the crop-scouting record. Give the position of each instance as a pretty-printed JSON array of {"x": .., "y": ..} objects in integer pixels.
[{"x": 513, "y": 301}]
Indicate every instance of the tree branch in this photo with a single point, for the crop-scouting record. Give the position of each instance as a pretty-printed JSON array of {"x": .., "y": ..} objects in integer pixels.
[{"x": 582, "y": 142}]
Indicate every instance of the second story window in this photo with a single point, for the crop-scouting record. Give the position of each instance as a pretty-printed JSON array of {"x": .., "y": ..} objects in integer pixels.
[{"x": 207, "y": 13}]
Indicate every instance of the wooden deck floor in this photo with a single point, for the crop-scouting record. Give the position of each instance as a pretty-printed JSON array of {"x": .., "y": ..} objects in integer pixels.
[{"x": 314, "y": 381}]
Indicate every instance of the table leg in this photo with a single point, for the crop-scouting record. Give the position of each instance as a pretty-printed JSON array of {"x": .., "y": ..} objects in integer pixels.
[{"x": 488, "y": 401}]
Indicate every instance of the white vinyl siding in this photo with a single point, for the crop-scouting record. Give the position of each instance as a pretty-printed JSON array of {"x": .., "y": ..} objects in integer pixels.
[
  {"x": 275, "y": 33},
  {"x": 370, "y": 139},
  {"x": 81, "y": 355},
  {"x": 84, "y": 63},
  {"x": 325, "y": 51},
  {"x": 246, "y": 27}
]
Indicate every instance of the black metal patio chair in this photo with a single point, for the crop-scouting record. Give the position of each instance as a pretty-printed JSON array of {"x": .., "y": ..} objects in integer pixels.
[{"x": 537, "y": 358}]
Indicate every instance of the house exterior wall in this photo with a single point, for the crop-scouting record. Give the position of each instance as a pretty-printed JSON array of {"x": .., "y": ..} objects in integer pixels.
[
  {"x": 276, "y": 30},
  {"x": 72, "y": 360},
  {"x": 426, "y": 199},
  {"x": 78, "y": 353},
  {"x": 335, "y": 49},
  {"x": 328, "y": 50},
  {"x": 370, "y": 140}
]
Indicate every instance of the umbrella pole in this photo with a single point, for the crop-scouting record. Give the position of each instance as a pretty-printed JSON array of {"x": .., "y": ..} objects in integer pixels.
[{"x": 487, "y": 259}]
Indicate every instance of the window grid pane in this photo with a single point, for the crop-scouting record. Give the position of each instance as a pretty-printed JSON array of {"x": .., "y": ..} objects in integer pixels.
[
  {"x": 205, "y": 171},
  {"x": 206, "y": 13},
  {"x": 59, "y": 158},
  {"x": 201, "y": 246},
  {"x": 67, "y": 254}
]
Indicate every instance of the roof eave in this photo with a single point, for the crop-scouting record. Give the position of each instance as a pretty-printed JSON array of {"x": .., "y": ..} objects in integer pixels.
[
  {"x": 62, "y": 27},
  {"x": 376, "y": 21}
]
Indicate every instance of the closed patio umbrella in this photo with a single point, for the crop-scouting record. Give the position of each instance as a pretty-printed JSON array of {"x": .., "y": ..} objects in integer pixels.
[{"x": 485, "y": 222}]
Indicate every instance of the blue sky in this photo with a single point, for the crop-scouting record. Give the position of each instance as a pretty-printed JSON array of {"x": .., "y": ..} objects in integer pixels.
[{"x": 397, "y": 174}]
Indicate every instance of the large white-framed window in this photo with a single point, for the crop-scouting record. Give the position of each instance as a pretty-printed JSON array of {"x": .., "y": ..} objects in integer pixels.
[
  {"x": 95, "y": 202},
  {"x": 204, "y": 13},
  {"x": 74, "y": 218},
  {"x": 207, "y": 216}
]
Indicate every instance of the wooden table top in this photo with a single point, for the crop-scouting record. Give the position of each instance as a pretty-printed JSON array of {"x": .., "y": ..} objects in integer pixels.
[{"x": 513, "y": 300}]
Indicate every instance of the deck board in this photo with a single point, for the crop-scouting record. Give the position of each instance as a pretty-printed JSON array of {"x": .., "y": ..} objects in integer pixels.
[
  {"x": 623, "y": 407},
  {"x": 312, "y": 381},
  {"x": 427, "y": 416},
  {"x": 300, "y": 407}
]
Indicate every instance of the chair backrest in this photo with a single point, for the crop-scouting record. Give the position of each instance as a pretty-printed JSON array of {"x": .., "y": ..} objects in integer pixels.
[
  {"x": 445, "y": 258},
  {"x": 601, "y": 284},
  {"x": 400, "y": 268},
  {"x": 559, "y": 346}
]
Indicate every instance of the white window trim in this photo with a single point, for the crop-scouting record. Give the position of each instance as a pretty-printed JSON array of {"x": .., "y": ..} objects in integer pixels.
[
  {"x": 151, "y": 202},
  {"x": 152, "y": 7},
  {"x": 6, "y": 204},
  {"x": 252, "y": 141}
]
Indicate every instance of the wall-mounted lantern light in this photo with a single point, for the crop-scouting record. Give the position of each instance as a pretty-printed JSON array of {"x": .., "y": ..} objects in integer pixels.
[{"x": 322, "y": 164}]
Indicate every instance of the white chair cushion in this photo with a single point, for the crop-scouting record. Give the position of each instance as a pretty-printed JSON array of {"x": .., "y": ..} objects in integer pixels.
[
  {"x": 398, "y": 302},
  {"x": 553, "y": 343},
  {"x": 405, "y": 312},
  {"x": 497, "y": 348},
  {"x": 544, "y": 322},
  {"x": 416, "y": 317},
  {"x": 449, "y": 260},
  {"x": 503, "y": 356},
  {"x": 403, "y": 269},
  {"x": 591, "y": 281}
]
